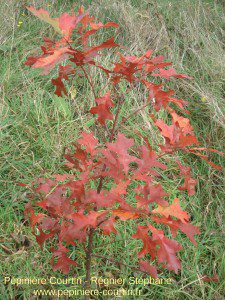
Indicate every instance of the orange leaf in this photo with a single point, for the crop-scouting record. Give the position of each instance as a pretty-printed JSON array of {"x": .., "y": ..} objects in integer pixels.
[
  {"x": 173, "y": 210},
  {"x": 44, "y": 16},
  {"x": 125, "y": 215},
  {"x": 48, "y": 63}
]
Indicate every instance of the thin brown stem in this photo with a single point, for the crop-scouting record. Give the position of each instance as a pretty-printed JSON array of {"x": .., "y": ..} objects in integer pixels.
[
  {"x": 121, "y": 97},
  {"x": 93, "y": 91},
  {"x": 89, "y": 81},
  {"x": 88, "y": 261},
  {"x": 90, "y": 246}
]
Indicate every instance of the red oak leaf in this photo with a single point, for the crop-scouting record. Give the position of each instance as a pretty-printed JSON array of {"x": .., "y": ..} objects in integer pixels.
[
  {"x": 148, "y": 245},
  {"x": 77, "y": 160},
  {"x": 151, "y": 193},
  {"x": 183, "y": 123},
  {"x": 207, "y": 149},
  {"x": 187, "y": 228},
  {"x": 68, "y": 23},
  {"x": 150, "y": 269},
  {"x": 103, "y": 108},
  {"x": 64, "y": 71},
  {"x": 129, "y": 66},
  {"x": 108, "y": 226},
  {"x": 113, "y": 167},
  {"x": 189, "y": 182},
  {"x": 105, "y": 100},
  {"x": 47, "y": 63},
  {"x": 94, "y": 28},
  {"x": 103, "y": 113},
  {"x": 107, "y": 198},
  {"x": 60, "y": 87},
  {"x": 77, "y": 188},
  {"x": 82, "y": 221},
  {"x": 160, "y": 97},
  {"x": 149, "y": 160},
  {"x": 125, "y": 215},
  {"x": 65, "y": 24},
  {"x": 63, "y": 262},
  {"x": 120, "y": 148},
  {"x": 167, "y": 249},
  {"x": 78, "y": 228},
  {"x": 44, "y": 16},
  {"x": 84, "y": 20},
  {"x": 44, "y": 185},
  {"x": 158, "y": 246},
  {"x": 34, "y": 219},
  {"x": 173, "y": 210},
  {"x": 89, "y": 141},
  {"x": 50, "y": 224},
  {"x": 170, "y": 73},
  {"x": 110, "y": 43},
  {"x": 41, "y": 237},
  {"x": 175, "y": 136},
  {"x": 100, "y": 200},
  {"x": 56, "y": 202}
]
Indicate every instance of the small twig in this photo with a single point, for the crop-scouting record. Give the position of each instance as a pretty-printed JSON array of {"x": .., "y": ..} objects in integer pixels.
[
  {"x": 88, "y": 261},
  {"x": 90, "y": 246}
]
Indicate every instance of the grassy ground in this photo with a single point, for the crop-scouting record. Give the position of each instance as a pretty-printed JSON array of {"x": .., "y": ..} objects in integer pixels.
[{"x": 35, "y": 127}]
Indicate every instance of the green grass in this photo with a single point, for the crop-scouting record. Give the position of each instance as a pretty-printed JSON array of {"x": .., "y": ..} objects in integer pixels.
[{"x": 36, "y": 127}]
